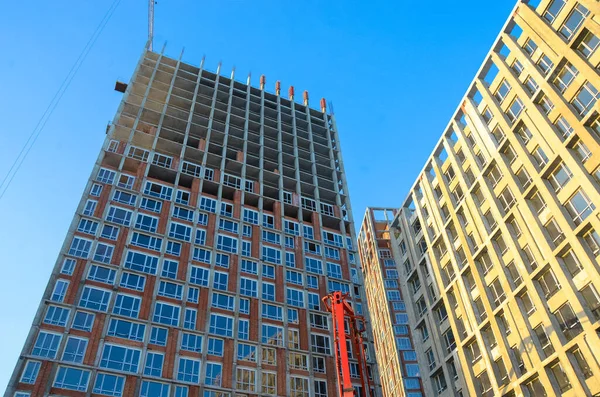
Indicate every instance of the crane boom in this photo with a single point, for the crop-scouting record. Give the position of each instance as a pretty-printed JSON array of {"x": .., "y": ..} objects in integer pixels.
[
  {"x": 339, "y": 308},
  {"x": 150, "y": 23}
]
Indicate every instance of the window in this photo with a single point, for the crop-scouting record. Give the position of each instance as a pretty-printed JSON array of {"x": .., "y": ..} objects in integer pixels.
[
  {"x": 127, "y": 305},
  {"x": 561, "y": 378},
  {"x": 74, "y": 349},
  {"x": 313, "y": 265},
  {"x": 94, "y": 298},
  {"x": 183, "y": 197},
  {"x": 514, "y": 110},
  {"x": 544, "y": 341},
  {"x": 272, "y": 312},
  {"x": 214, "y": 374},
  {"x": 588, "y": 45},
  {"x": 106, "y": 176},
  {"x": 173, "y": 248},
  {"x": 487, "y": 115},
  {"x": 592, "y": 298},
  {"x": 226, "y": 243},
  {"x": 71, "y": 379},
  {"x": 507, "y": 199},
  {"x": 530, "y": 46},
  {"x": 482, "y": 383},
  {"x": 553, "y": 10},
  {"x": 573, "y": 21},
  {"x": 540, "y": 157},
  {"x": 208, "y": 204},
  {"x": 154, "y": 363},
  {"x": 299, "y": 386},
  {"x": 167, "y": 314},
  {"x": 90, "y": 207},
  {"x": 581, "y": 363},
  {"x": 268, "y": 271},
  {"x": 246, "y": 379},
  {"x": 46, "y": 345},
  {"x": 308, "y": 232},
  {"x": 332, "y": 239},
  {"x": 531, "y": 85},
  {"x": 60, "y": 290},
  {"x": 170, "y": 290},
  {"x": 572, "y": 263},
  {"x": 221, "y": 325},
  {"x": 579, "y": 206},
  {"x": 158, "y": 336},
  {"x": 220, "y": 281},
  {"x": 250, "y": 216},
  {"x": 271, "y": 255},
  {"x": 126, "y": 329},
  {"x": 312, "y": 248},
  {"x": 246, "y": 352},
  {"x": 568, "y": 321},
  {"x": 109, "y": 385},
  {"x": 291, "y": 227},
  {"x": 298, "y": 361},
  {"x": 320, "y": 344},
  {"x": 56, "y": 316},
  {"x": 268, "y": 221},
  {"x": 502, "y": 91},
  {"x": 585, "y": 98},
  {"x": 269, "y": 383},
  {"x": 430, "y": 359},
  {"x": 295, "y": 297},
  {"x": 545, "y": 104},
  {"x": 272, "y": 335},
  {"x": 517, "y": 67},
  {"x": 83, "y": 321},
  {"x": 189, "y": 321},
  {"x": 439, "y": 382},
  {"x": 154, "y": 389},
  {"x": 188, "y": 370},
  {"x": 80, "y": 247},
  {"x": 497, "y": 292},
  {"x": 120, "y": 358},
  {"x": 151, "y": 205},
  {"x": 228, "y": 226}
]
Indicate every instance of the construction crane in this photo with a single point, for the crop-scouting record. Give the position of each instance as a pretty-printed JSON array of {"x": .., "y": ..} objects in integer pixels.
[
  {"x": 150, "y": 23},
  {"x": 337, "y": 304}
]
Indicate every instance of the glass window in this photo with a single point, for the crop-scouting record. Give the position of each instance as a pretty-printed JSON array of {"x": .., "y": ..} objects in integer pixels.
[
  {"x": 120, "y": 358},
  {"x": 573, "y": 21},
  {"x": 71, "y": 379},
  {"x": 109, "y": 385},
  {"x": 188, "y": 370},
  {"x": 167, "y": 314},
  {"x": 74, "y": 349},
  {"x": 154, "y": 363}
]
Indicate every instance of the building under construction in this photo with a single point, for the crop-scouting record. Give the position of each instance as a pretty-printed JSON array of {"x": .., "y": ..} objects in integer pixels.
[{"x": 215, "y": 219}]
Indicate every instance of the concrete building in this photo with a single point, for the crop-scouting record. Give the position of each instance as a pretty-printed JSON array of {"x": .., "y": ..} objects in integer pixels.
[
  {"x": 497, "y": 242},
  {"x": 393, "y": 342},
  {"x": 216, "y": 217}
]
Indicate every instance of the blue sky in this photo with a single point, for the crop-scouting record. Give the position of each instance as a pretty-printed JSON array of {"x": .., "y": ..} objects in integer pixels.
[{"x": 363, "y": 56}]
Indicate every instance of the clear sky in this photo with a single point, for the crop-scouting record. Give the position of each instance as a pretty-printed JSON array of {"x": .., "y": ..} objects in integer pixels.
[{"x": 395, "y": 71}]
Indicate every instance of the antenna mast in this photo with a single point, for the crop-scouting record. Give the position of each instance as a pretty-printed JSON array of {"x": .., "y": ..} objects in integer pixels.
[{"x": 150, "y": 23}]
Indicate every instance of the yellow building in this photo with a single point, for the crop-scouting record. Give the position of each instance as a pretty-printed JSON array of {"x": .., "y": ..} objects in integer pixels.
[{"x": 497, "y": 242}]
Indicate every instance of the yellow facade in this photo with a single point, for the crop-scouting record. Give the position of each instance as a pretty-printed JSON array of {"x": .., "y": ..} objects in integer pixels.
[{"x": 497, "y": 244}]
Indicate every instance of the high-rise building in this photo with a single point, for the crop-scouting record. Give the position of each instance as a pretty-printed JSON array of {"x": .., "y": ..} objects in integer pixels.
[
  {"x": 394, "y": 345},
  {"x": 497, "y": 243},
  {"x": 215, "y": 219}
]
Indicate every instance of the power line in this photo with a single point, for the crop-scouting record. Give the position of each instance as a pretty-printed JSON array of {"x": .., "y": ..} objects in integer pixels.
[{"x": 4, "y": 185}]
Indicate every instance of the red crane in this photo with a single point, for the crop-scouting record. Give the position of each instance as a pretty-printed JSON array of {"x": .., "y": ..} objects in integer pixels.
[{"x": 336, "y": 303}]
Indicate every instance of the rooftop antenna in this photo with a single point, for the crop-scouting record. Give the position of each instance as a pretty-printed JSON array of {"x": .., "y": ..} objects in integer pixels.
[{"x": 150, "y": 23}]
